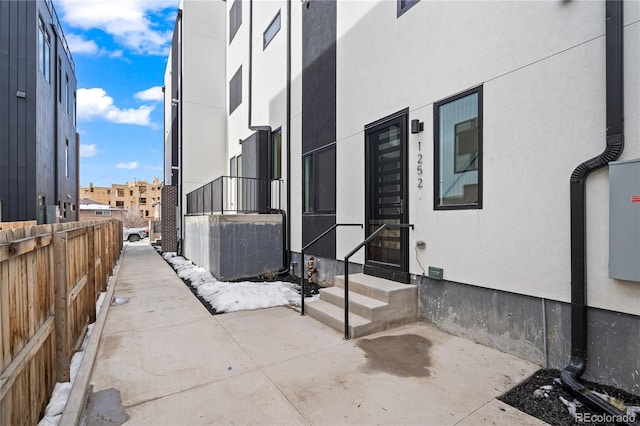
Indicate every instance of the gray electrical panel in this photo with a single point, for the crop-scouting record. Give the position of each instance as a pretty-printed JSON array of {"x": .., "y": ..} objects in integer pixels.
[{"x": 624, "y": 220}]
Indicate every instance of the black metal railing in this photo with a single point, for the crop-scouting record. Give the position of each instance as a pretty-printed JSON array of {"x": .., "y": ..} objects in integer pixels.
[
  {"x": 231, "y": 194},
  {"x": 315, "y": 240},
  {"x": 370, "y": 238}
]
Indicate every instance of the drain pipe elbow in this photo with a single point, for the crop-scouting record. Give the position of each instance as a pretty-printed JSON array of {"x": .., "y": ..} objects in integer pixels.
[
  {"x": 570, "y": 380},
  {"x": 613, "y": 149}
]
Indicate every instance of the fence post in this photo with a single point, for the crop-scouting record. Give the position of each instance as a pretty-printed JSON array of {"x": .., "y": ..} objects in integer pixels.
[
  {"x": 63, "y": 359},
  {"x": 91, "y": 273}
]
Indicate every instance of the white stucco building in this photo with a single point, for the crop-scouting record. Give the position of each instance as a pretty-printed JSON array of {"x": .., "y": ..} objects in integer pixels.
[{"x": 463, "y": 119}]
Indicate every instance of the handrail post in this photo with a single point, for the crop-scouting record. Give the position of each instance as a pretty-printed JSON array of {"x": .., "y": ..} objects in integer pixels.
[
  {"x": 302, "y": 260},
  {"x": 222, "y": 195},
  {"x": 302, "y": 283},
  {"x": 346, "y": 298},
  {"x": 346, "y": 268}
]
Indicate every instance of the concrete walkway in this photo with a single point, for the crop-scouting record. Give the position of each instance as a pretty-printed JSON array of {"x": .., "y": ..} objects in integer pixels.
[{"x": 174, "y": 363}]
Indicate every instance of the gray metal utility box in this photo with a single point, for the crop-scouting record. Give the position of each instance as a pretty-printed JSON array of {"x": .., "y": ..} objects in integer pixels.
[{"x": 624, "y": 220}]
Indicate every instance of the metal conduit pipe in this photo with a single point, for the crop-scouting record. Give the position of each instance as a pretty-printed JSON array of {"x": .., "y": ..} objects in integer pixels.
[{"x": 570, "y": 376}]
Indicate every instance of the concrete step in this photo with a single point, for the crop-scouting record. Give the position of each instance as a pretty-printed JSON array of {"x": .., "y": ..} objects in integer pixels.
[
  {"x": 359, "y": 304},
  {"x": 333, "y": 316},
  {"x": 379, "y": 288},
  {"x": 375, "y": 304}
]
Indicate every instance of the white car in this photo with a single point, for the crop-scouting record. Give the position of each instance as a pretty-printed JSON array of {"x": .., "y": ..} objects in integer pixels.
[{"x": 134, "y": 234}]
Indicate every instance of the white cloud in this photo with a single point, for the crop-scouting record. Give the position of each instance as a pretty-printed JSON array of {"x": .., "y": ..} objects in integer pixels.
[
  {"x": 151, "y": 94},
  {"x": 128, "y": 21},
  {"x": 129, "y": 166},
  {"x": 95, "y": 103},
  {"x": 79, "y": 45},
  {"x": 88, "y": 150}
]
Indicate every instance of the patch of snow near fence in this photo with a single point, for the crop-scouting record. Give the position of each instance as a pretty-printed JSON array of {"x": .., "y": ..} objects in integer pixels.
[
  {"x": 226, "y": 296},
  {"x": 61, "y": 391}
]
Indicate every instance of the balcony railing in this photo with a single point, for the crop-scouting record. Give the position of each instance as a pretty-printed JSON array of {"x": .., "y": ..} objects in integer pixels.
[{"x": 230, "y": 194}]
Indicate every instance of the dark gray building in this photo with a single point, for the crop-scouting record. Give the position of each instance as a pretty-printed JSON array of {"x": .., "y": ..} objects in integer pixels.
[{"x": 39, "y": 145}]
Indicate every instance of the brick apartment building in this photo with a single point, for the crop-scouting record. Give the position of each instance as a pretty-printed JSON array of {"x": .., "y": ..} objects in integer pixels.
[{"x": 136, "y": 195}]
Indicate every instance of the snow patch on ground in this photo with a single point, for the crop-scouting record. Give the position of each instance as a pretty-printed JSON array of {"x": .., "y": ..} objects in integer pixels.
[
  {"x": 61, "y": 391},
  {"x": 226, "y": 296}
]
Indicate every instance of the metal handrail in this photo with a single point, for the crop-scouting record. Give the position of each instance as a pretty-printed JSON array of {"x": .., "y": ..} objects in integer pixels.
[
  {"x": 346, "y": 267},
  {"x": 302, "y": 261},
  {"x": 235, "y": 194}
]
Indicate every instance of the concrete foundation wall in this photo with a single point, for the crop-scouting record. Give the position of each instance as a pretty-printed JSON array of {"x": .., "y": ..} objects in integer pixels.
[
  {"x": 516, "y": 324},
  {"x": 233, "y": 247}
]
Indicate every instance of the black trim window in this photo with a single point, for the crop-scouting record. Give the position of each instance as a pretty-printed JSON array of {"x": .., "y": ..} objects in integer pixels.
[
  {"x": 59, "y": 80},
  {"x": 66, "y": 159},
  {"x": 66, "y": 94},
  {"x": 404, "y": 5},
  {"x": 275, "y": 153},
  {"x": 319, "y": 181},
  {"x": 235, "y": 90},
  {"x": 235, "y": 19},
  {"x": 44, "y": 49},
  {"x": 271, "y": 31},
  {"x": 458, "y": 151}
]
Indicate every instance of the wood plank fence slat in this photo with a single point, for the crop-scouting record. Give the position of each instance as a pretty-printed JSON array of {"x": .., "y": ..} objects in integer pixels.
[{"x": 50, "y": 278}]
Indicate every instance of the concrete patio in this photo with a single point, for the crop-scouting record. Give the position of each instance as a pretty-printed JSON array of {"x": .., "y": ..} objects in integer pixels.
[{"x": 174, "y": 363}]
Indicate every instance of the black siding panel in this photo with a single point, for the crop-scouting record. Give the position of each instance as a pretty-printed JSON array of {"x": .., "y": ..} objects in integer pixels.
[
  {"x": 314, "y": 225},
  {"x": 318, "y": 75},
  {"x": 319, "y": 108},
  {"x": 29, "y": 125}
]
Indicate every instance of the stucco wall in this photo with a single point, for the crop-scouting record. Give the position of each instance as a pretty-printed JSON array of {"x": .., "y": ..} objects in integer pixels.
[{"x": 542, "y": 71}]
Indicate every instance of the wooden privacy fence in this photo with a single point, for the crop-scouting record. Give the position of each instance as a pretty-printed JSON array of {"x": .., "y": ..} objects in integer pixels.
[
  {"x": 50, "y": 279},
  {"x": 12, "y": 225}
]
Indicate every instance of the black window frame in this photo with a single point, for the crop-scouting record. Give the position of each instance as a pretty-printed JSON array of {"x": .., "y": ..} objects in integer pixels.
[
  {"x": 235, "y": 90},
  {"x": 44, "y": 50},
  {"x": 436, "y": 151},
  {"x": 265, "y": 41},
  {"x": 235, "y": 19},
  {"x": 404, "y": 5},
  {"x": 66, "y": 159},
  {"x": 275, "y": 155},
  {"x": 316, "y": 181}
]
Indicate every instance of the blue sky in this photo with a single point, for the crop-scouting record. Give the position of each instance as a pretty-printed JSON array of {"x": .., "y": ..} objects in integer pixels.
[{"x": 120, "y": 49}]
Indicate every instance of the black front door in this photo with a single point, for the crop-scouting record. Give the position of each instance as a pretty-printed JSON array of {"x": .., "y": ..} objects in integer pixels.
[{"x": 386, "y": 199}]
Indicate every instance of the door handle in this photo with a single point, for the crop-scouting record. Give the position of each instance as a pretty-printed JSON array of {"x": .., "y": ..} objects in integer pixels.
[{"x": 400, "y": 205}]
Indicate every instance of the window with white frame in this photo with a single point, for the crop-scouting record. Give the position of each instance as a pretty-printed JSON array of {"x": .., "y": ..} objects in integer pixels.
[
  {"x": 404, "y": 5},
  {"x": 271, "y": 31},
  {"x": 235, "y": 19}
]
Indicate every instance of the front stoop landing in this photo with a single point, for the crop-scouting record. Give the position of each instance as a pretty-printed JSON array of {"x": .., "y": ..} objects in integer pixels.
[{"x": 375, "y": 304}]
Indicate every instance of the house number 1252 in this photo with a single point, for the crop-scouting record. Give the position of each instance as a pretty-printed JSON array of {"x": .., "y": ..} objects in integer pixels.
[{"x": 419, "y": 167}]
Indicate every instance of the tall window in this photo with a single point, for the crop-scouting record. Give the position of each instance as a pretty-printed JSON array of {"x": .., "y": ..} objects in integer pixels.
[
  {"x": 319, "y": 181},
  {"x": 59, "y": 80},
  {"x": 235, "y": 90},
  {"x": 271, "y": 31},
  {"x": 275, "y": 169},
  {"x": 458, "y": 151},
  {"x": 44, "y": 49},
  {"x": 66, "y": 94},
  {"x": 235, "y": 19},
  {"x": 66, "y": 159}
]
